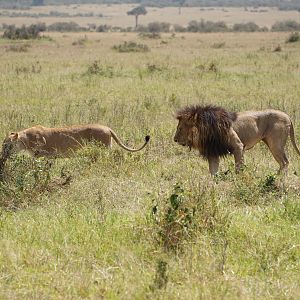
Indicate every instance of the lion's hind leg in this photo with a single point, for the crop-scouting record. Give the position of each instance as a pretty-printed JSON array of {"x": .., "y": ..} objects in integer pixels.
[
  {"x": 238, "y": 150},
  {"x": 278, "y": 152}
]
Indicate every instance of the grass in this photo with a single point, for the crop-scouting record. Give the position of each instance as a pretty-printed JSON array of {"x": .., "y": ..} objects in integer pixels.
[
  {"x": 116, "y": 15},
  {"x": 85, "y": 227}
]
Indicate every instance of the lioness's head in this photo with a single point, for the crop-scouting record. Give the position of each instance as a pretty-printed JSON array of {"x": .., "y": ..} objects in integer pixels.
[
  {"x": 12, "y": 143},
  {"x": 186, "y": 132}
]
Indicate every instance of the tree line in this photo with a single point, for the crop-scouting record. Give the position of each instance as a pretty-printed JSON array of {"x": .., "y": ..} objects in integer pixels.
[
  {"x": 281, "y": 4},
  {"x": 33, "y": 31}
]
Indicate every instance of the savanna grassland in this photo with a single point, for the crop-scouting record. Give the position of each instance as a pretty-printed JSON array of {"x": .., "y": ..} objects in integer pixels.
[
  {"x": 108, "y": 224},
  {"x": 116, "y": 15}
]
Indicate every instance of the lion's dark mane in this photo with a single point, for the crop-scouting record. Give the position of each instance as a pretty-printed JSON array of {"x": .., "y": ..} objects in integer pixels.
[{"x": 213, "y": 124}]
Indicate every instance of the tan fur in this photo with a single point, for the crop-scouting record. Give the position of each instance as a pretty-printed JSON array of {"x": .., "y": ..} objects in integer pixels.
[
  {"x": 247, "y": 129},
  {"x": 43, "y": 141}
]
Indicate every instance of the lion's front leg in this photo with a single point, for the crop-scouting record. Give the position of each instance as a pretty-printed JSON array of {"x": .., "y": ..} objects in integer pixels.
[
  {"x": 213, "y": 165},
  {"x": 238, "y": 149}
]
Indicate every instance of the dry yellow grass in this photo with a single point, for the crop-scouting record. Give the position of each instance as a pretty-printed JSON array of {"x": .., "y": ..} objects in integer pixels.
[{"x": 116, "y": 15}]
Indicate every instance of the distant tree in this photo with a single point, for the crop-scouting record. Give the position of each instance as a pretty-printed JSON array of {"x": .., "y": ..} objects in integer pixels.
[
  {"x": 181, "y": 2},
  {"x": 37, "y": 2},
  {"x": 137, "y": 11}
]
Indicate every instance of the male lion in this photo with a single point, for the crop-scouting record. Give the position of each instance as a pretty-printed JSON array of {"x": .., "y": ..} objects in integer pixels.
[
  {"x": 216, "y": 132},
  {"x": 43, "y": 141}
]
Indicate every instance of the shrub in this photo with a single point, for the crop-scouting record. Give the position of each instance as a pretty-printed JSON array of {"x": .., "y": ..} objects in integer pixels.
[
  {"x": 288, "y": 25},
  {"x": 174, "y": 220},
  {"x": 131, "y": 47},
  {"x": 246, "y": 27},
  {"x": 207, "y": 26},
  {"x": 65, "y": 27},
  {"x": 185, "y": 214},
  {"x": 277, "y": 49},
  {"x": 25, "y": 178},
  {"x": 269, "y": 184},
  {"x": 25, "y": 32},
  {"x": 150, "y": 35},
  {"x": 151, "y": 68},
  {"x": 179, "y": 28},
  {"x": 293, "y": 37},
  {"x": 103, "y": 28},
  {"x": 97, "y": 69},
  {"x": 159, "y": 27}
]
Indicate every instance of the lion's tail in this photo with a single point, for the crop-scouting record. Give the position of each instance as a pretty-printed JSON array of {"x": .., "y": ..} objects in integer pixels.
[
  {"x": 118, "y": 141},
  {"x": 292, "y": 136}
]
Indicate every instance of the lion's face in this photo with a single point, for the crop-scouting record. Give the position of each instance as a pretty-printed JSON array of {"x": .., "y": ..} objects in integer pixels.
[
  {"x": 186, "y": 133},
  {"x": 11, "y": 144}
]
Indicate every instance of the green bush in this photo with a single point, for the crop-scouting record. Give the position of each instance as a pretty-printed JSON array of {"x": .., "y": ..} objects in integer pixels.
[
  {"x": 159, "y": 27},
  {"x": 150, "y": 35},
  {"x": 131, "y": 47},
  {"x": 288, "y": 25},
  {"x": 23, "y": 33},
  {"x": 103, "y": 28},
  {"x": 65, "y": 27},
  {"x": 207, "y": 26},
  {"x": 96, "y": 68},
  {"x": 174, "y": 221},
  {"x": 293, "y": 37},
  {"x": 246, "y": 27}
]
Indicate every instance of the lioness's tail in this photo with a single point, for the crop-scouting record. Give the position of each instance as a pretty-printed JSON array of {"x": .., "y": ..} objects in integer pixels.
[
  {"x": 292, "y": 136},
  {"x": 118, "y": 141}
]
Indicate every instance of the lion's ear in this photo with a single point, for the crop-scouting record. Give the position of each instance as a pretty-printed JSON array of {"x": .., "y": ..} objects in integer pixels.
[
  {"x": 179, "y": 118},
  {"x": 13, "y": 135}
]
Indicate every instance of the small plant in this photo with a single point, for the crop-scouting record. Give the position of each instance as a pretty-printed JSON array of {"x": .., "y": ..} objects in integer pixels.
[
  {"x": 24, "y": 179},
  {"x": 131, "y": 47},
  {"x": 212, "y": 67},
  {"x": 269, "y": 184},
  {"x": 151, "y": 68},
  {"x": 161, "y": 277},
  {"x": 174, "y": 220},
  {"x": 150, "y": 35},
  {"x": 97, "y": 69},
  {"x": 218, "y": 45},
  {"x": 293, "y": 37},
  {"x": 277, "y": 49}
]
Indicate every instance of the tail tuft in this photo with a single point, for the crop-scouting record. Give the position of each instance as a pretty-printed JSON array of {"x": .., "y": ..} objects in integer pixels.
[{"x": 147, "y": 138}]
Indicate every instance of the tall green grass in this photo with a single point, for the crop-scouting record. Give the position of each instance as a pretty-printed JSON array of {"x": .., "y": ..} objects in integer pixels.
[{"x": 153, "y": 224}]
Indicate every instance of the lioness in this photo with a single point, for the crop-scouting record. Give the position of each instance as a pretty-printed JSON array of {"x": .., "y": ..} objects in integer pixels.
[
  {"x": 215, "y": 133},
  {"x": 43, "y": 141}
]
